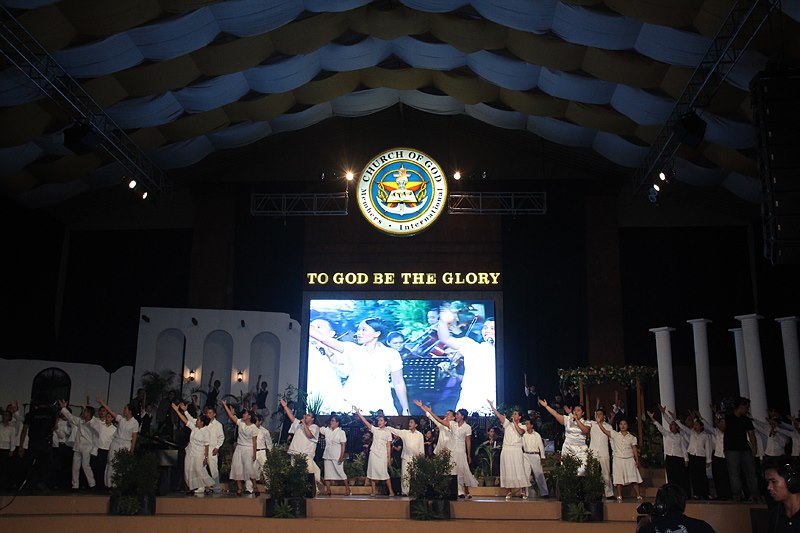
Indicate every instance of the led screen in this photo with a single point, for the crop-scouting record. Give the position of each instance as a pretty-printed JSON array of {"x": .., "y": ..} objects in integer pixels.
[{"x": 383, "y": 354}]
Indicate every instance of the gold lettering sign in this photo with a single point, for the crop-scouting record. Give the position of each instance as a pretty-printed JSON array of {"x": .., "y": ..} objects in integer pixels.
[{"x": 402, "y": 278}]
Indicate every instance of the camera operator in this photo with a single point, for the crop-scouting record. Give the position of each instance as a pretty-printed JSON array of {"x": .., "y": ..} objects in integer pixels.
[
  {"x": 38, "y": 428},
  {"x": 783, "y": 485},
  {"x": 666, "y": 515}
]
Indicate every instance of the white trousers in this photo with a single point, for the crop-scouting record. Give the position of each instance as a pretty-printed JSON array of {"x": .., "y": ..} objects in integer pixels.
[
  {"x": 605, "y": 462},
  {"x": 81, "y": 460},
  {"x": 213, "y": 466},
  {"x": 533, "y": 463}
]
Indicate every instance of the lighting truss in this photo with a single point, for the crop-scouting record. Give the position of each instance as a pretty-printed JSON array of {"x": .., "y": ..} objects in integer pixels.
[
  {"x": 497, "y": 203},
  {"x": 310, "y": 204},
  {"x": 23, "y": 51},
  {"x": 734, "y": 36}
]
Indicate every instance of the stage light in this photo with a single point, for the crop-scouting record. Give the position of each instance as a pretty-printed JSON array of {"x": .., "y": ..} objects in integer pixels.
[
  {"x": 132, "y": 184},
  {"x": 322, "y": 176},
  {"x": 194, "y": 321},
  {"x": 656, "y": 187},
  {"x": 144, "y": 195},
  {"x": 240, "y": 376},
  {"x": 457, "y": 175},
  {"x": 191, "y": 375},
  {"x": 662, "y": 176},
  {"x": 483, "y": 175},
  {"x": 349, "y": 176}
]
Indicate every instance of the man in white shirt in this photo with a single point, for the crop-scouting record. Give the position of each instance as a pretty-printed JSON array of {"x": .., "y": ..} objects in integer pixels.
[
  {"x": 533, "y": 453},
  {"x": 413, "y": 444},
  {"x": 599, "y": 447},
  {"x": 305, "y": 439},
  {"x": 84, "y": 436},
  {"x": 700, "y": 451},
  {"x": 216, "y": 437},
  {"x": 105, "y": 431},
  {"x": 676, "y": 458}
]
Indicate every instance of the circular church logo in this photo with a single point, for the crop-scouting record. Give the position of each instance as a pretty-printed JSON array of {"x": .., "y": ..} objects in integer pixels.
[{"x": 402, "y": 191}]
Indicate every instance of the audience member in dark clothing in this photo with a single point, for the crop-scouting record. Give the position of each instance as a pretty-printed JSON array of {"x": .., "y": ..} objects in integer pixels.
[
  {"x": 668, "y": 514},
  {"x": 38, "y": 428},
  {"x": 740, "y": 450}
]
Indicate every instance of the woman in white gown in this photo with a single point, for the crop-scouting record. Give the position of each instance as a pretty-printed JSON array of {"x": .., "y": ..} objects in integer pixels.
[
  {"x": 371, "y": 365},
  {"x": 575, "y": 432},
  {"x": 198, "y": 480},
  {"x": 379, "y": 452},
  {"x": 243, "y": 464},
  {"x": 333, "y": 456},
  {"x": 513, "y": 474},
  {"x": 124, "y": 438}
]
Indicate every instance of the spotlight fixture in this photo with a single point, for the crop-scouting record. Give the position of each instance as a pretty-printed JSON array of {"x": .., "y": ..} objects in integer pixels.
[
  {"x": 144, "y": 195},
  {"x": 483, "y": 175},
  {"x": 191, "y": 375},
  {"x": 349, "y": 175},
  {"x": 662, "y": 176},
  {"x": 322, "y": 176},
  {"x": 194, "y": 321},
  {"x": 132, "y": 184},
  {"x": 146, "y": 318},
  {"x": 243, "y": 323},
  {"x": 656, "y": 187},
  {"x": 457, "y": 175},
  {"x": 240, "y": 376}
]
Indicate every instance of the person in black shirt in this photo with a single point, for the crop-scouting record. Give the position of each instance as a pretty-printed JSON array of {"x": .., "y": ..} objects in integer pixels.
[
  {"x": 213, "y": 391},
  {"x": 740, "y": 449},
  {"x": 783, "y": 484},
  {"x": 261, "y": 397},
  {"x": 668, "y": 517},
  {"x": 38, "y": 428}
]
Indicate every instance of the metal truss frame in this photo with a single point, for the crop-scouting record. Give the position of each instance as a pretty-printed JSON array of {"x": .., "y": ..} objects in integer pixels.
[
  {"x": 311, "y": 204},
  {"x": 497, "y": 203},
  {"x": 23, "y": 51},
  {"x": 734, "y": 36}
]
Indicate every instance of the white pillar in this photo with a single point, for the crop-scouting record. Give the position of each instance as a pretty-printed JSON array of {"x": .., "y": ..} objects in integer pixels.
[
  {"x": 666, "y": 385},
  {"x": 741, "y": 364},
  {"x": 791, "y": 353},
  {"x": 702, "y": 367},
  {"x": 755, "y": 366}
]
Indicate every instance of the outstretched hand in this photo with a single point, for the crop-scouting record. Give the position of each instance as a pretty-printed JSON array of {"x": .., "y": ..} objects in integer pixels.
[
  {"x": 62, "y": 404},
  {"x": 491, "y": 403},
  {"x": 283, "y": 402},
  {"x": 651, "y": 414},
  {"x": 543, "y": 402},
  {"x": 567, "y": 409}
]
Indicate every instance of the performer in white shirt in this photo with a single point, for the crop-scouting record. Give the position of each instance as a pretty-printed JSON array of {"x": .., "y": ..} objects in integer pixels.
[
  {"x": 598, "y": 444},
  {"x": 243, "y": 465},
  {"x": 333, "y": 456},
  {"x": 413, "y": 445},
  {"x": 263, "y": 445},
  {"x": 533, "y": 453},
  {"x": 306, "y": 437},
  {"x": 700, "y": 449},
  {"x": 8, "y": 443},
  {"x": 460, "y": 446},
  {"x": 676, "y": 458},
  {"x": 379, "y": 453},
  {"x": 103, "y": 424},
  {"x": 626, "y": 458},
  {"x": 216, "y": 438},
  {"x": 479, "y": 361},
  {"x": 775, "y": 437},
  {"x": 575, "y": 432},
  {"x": 194, "y": 465},
  {"x": 83, "y": 443},
  {"x": 792, "y": 431},
  {"x": 124, "y": 438},
  {"x": 513, "y": 474}
]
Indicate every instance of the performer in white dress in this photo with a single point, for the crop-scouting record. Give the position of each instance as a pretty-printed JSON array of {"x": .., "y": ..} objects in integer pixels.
[
  {"x": 197, "y": 478},
  {"x": 333, "y": 456},
  {"x": 371, "y": 365},
  {"x": 84, "y": 436},
  {"x": 626, "y": 459},
  {"x": 533, "y": 453},
  {"x": 243, "y": 464},
  {"x": 304, "y": 441},
  {"x": 513, "y": 474},
  {"x": 413, "y": 445},
  {"x": 479, "y": 361},
  {"x": 124, "y": 438},
  {"x": 460, "y": 446},
  {"x": 598, "y": 444},
  {"x": 379, "y": 453},
  {"x": 575, "y": 432}
]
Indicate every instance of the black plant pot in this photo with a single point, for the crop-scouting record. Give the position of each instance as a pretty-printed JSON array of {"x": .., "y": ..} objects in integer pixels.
[
  {"x": 131, "y": 505},
  {"x": 596, "y": 510},
  {"x": 430, "y": 510},
  {"x": 274, "y": 507}
]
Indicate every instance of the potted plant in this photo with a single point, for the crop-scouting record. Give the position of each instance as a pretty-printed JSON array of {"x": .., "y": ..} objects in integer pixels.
[
  {"x": 286, "y": 479},
  {"x": 135, "y": 480},
  {"x": 488, "y": 457},
  {"x": 430, "y": 486},
  {"x": 356, "y": 469},
  {"x": 581, "y": 496}
]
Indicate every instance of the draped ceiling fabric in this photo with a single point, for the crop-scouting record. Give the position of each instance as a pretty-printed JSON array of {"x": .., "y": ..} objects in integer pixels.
[{"x": 187, "y": 77}]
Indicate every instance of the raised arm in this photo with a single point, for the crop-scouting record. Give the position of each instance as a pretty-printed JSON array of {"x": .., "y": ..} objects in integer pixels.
[
  {"x": 289, "y": 413},
  {"x": 357, "y": 411},
  {"x": 500, "y": 416},
  {"x": 62, "y": 404},
  {"x": 110, "y": 411},
  {"x": 598, "y": 418},
  {"x": 583, "y": 427},
  {"x": 177, "y": 409},
  {"x": 446, "y": 319},
  {"x": 229, "y": 411},
  {"x": 659, "y": 427},
  {"x": 558, "y": 416},
  {"x": 327, "y": 340},
  {"x": 210, "y": 380},
  {"x": 430, "y": 413}
]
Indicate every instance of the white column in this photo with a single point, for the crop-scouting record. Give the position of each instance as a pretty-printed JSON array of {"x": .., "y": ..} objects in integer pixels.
[
  {"x": 702, "y": 367},
  {"x": 755, "y": 366},
  {"x": 791, "y": 353},
  {"x": 741, "y": 364},
  {"x": 666, "y": 385}
]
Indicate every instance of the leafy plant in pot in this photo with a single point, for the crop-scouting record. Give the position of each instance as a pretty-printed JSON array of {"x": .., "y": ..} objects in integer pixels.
[
  {"x": 356, "y": 469},
  {"x": 430, "y": 482},
  {"x": 581, "y": 496},
  {"x": 487, "y": 457},
  {"x": 135, "y": 480},
  {"x": 286, "y": 479}
]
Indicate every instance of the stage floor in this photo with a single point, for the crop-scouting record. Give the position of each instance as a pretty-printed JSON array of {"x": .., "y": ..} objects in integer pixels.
[{"x": 86, "y": 513}]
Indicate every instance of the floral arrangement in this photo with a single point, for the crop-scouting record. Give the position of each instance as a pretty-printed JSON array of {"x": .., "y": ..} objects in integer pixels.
[{"x": 595, "y": 375}]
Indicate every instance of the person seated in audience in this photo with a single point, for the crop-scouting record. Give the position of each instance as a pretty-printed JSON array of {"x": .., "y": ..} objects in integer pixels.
[{"x": 669, "y": 514}]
